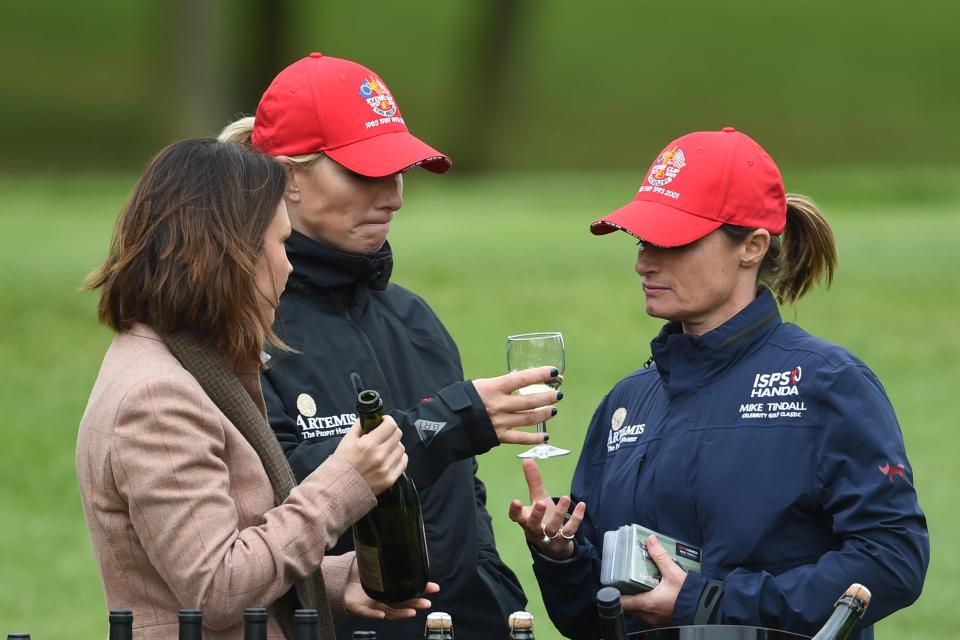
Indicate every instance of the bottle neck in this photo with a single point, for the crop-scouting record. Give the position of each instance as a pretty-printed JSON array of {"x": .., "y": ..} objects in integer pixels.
[
  {"x": 846, "y": 614},
  {"x": 370, "y": 420}
]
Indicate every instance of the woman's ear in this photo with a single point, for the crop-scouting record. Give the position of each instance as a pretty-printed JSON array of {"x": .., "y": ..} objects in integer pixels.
[
  {"x": 292, "y": 191},
  {"x": 754, "y": 248}
]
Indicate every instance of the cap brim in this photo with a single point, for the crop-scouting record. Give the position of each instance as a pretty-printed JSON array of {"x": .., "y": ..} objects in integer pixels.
[
  {"x": 655, "y": 223},
  {"x": 389, "y": 153}
]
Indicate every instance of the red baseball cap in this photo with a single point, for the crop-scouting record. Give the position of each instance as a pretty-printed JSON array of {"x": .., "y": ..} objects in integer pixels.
[
  {"x": 698, "y": 183},
  {"x": 340, "y": 108}
]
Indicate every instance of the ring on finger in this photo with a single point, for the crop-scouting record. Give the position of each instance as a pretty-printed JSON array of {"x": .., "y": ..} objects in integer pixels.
[
  {"x": 565, "y": 536},
  {"x": 547, "y": 537}
]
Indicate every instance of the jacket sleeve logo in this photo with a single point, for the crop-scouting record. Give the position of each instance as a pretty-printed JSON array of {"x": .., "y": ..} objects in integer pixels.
[
  {"x": 428, "y": 430},
  {"x": 891, "y": 471}
]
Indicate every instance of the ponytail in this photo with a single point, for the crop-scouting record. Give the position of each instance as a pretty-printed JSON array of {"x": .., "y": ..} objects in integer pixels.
[
  {"x": 804, "y": 255},
  {"x": 240, "y": 131},
  {"x": 808, "y": 252}
]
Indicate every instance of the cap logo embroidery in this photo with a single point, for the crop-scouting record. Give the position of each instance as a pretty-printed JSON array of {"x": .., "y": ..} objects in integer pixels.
[
  {"x": 377, "y": 96},
  {"x": 667, "y": 166}
]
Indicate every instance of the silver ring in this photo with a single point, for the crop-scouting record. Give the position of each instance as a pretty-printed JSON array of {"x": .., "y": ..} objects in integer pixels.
[
  {"x": 547, "y": 538},
  {"x": 565, "y": 536}
]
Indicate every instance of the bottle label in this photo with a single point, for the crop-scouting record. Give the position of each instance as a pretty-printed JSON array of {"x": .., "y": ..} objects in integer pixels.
[{"x": 368, "y": 565}]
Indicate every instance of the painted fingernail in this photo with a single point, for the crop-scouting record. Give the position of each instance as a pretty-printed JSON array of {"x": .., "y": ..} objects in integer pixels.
[
  {"x": 553, "y": 411},
  {"x": 559, "y": 395},
  {"x": 554, "y": 372},
  {"x": 546, "y": 437}
]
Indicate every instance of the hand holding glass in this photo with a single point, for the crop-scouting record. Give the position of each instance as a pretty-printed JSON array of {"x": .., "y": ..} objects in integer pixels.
[{"x": 528, "y": 350}]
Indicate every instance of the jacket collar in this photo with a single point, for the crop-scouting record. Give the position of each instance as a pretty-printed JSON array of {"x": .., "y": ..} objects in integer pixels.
[
  {"x": 685, "y": 360},
  {"x": 322, "y": 267}
]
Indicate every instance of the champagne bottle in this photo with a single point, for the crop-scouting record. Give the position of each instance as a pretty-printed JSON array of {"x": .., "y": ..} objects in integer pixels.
[
  {"x": 610, "y": 611},
  {"x": 305, "y": 624},
  {"x": 191, "y": 624},
  {"x": 390, "y": 541},
  {"x": 439, "y": 626},
  {"x": 255, "y": 623},
  {"x": 521, "y": 625},
  {"x": 121, "y": 624},
  {"x": 846, "y": 613}
]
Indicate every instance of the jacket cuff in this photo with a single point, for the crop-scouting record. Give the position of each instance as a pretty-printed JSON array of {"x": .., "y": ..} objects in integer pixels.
[
  {"x": 546, "y": 564},
  {"x": 462, "y": 398},
  {"x": 685, "y": 608},
  {"x": 336, "y": 575}
]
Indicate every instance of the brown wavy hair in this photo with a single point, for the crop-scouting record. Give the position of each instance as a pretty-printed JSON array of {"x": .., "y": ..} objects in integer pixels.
[
  {"x": 186, "y": 246},
  {"x": 806, "y": 255}
]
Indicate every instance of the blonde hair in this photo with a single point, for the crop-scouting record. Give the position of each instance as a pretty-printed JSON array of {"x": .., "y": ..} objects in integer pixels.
[
  {"x": 804, "y": 255},
  {"x": 241, "y": 131}
]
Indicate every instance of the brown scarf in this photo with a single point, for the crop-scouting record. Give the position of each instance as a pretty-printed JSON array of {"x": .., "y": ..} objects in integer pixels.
[{"x": 222, "y": 386}]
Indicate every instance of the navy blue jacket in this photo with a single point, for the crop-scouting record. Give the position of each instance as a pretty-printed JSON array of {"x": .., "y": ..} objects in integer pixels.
[
  {"x": 344, "y": 318},
  {"x": 774, "y": 451}
]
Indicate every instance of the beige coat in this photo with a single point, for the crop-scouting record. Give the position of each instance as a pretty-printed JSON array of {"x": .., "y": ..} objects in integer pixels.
[{"x": 179, "y": 507}]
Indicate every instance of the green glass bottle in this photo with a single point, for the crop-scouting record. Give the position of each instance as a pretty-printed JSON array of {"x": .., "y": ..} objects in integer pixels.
[
  {"x": 390, "y": 541},
  {"x": 610, "y": 614},
  {"x": 305, "y": 624},
  {"x": 846, "y": 613},
  {"x": 121, "y": 624},
  {"x": 255, "y": 623},
  {"x": 191, "y": 624}
]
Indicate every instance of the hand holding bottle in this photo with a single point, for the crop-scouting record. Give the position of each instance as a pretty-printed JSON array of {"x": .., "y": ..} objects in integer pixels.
[
  {"x": 543, "y": 522},
  {"x": 358, "y": 603},
  {"x": 532, "y": 406},
  {"x": 378, "y": 456}
]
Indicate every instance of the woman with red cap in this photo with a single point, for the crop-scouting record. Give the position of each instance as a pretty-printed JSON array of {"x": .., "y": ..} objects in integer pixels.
[
  {"x": 337, "y": 129},
  {"x": 773, "y": 451}
]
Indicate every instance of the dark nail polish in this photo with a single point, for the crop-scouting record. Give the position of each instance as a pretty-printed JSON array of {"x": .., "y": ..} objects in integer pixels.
[
  {"x": 546, "y": 438},
  {"x": 553, "y": 411},
  {"x": 559, "y": 395},
  {"x": 554, "y": 372}
]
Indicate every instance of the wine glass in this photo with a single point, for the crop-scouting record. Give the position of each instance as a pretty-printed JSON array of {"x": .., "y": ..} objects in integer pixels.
[{"x": 528, "y": 350}]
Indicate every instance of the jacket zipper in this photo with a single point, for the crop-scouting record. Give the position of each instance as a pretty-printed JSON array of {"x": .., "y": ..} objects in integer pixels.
[{"x": 385, "y": 389}]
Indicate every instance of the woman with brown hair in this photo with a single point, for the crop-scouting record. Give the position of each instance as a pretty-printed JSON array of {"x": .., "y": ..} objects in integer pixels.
[
  {"x": 187, "y": 495},
  {"x": 775, "y": 455}
]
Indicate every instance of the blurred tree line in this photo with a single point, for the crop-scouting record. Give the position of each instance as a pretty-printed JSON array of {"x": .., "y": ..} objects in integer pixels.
[{"x": 498, "y": 84}]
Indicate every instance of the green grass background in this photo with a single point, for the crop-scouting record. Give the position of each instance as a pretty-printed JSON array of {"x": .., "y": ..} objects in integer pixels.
[{"x": 494, "y": 256}]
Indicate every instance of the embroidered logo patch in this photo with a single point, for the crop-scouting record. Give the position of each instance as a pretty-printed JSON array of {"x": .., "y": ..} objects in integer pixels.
[
  {"x": 428, "y": 430},
  {"x": 891, "y": 471},
  {"x": 617, "y": 420},
  {"x": 375, "y": 93},
  {"x": 668, "y": 165},
  {"x": 306, "y": 405}
]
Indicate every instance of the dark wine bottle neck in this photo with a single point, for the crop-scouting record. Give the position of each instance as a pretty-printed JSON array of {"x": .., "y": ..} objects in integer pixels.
[
  {"x": 121, "y": 624},
  {"x": 842, "y": 620},
  {"x": 370, "y": 409},
  {"x": 191, "y": 624},
  {"x": 370, "y": 420}
]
